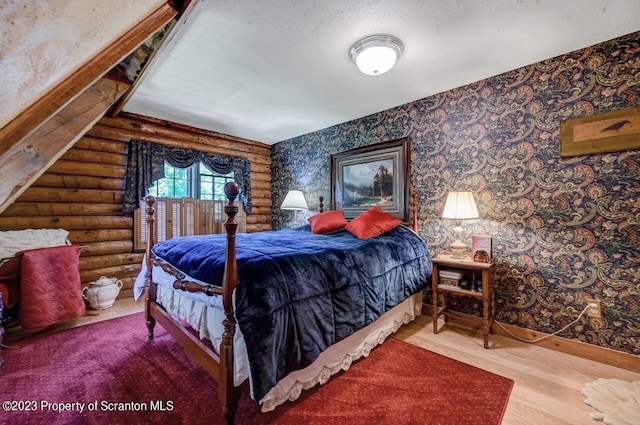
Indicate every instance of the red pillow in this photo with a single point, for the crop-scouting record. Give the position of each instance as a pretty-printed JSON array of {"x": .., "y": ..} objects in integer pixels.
[
  {"x": 372, "y": 223},
  {"x": 327, "y": 222}
]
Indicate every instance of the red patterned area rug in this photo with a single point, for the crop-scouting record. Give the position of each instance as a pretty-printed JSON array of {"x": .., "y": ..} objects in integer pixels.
[{"x": 108, "y": 373}]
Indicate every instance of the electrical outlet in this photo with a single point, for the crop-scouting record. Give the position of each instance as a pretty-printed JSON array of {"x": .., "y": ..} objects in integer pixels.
[{"x": 594, "y": 308}]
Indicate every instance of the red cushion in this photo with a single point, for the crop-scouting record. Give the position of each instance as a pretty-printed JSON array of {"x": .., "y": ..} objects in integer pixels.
[
  {"x": 50, "y": 287},
  {"x": 372, "y": 223},
  {"x": 327, "y": 222}
]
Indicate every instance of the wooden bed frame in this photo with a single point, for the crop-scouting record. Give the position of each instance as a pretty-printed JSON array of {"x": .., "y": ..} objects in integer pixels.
[{"x": 220, "y": 367}]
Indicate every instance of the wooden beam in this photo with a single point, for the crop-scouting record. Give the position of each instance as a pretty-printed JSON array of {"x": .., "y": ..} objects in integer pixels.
[
  {"x": 126, "y": 130},
  {"x": 28, "y": 159},
  {"x": 105, "y": 248},
  {"x": 67, "y": 222},
  {"x": 102, "y": 235},
  {"x": 49, "y": 194},
  {"x": 117, "y": 108},
  {"x": 39, "y": 209},
  {"x": 122, "y": 271},
  {"x": 110, "y": 260},
  {"x": 95, "y": 157},
  {"x": 131, "y": 120},
  {"x": 184, "y": 9},
  {"x": 87, "y": 169},
  {"x": 79, "y": 181},
  {"x": 52, "y": 102},
  {"x": 103, "y": 145}
]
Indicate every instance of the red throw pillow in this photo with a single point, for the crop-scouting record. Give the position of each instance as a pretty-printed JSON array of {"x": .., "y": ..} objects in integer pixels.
[
  {"x": 372, "y": 223},
  {"x": 327, "y": 222}
]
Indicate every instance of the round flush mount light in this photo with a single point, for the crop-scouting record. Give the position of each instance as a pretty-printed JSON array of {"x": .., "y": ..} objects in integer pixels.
[{"x": 376, "y": 54}]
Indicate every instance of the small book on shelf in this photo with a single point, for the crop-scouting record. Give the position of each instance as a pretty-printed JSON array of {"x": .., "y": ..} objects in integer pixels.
[
  {"x": 451, "y": 273},
  {"x": 450, "y": 277},
  {"x": 481, "y": 243}
]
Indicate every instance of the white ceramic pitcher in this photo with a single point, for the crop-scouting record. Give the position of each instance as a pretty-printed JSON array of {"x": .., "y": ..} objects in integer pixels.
[{"x": 102, "y": 293}]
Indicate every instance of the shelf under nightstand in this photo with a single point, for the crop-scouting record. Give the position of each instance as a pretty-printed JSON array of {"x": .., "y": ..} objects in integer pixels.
[{"x": 486, "y": 272}]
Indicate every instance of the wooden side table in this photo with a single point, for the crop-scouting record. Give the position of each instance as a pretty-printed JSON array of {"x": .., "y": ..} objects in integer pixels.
[{"x": 485, "y": 271}]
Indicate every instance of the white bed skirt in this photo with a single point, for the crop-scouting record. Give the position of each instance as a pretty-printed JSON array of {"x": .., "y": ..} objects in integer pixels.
[
  {"x": 340, "y": 355},
  {"x": 208, "y": 323}
]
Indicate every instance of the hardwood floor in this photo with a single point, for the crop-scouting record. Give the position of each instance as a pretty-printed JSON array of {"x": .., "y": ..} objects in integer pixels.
[{"x": 547, "y": 383}]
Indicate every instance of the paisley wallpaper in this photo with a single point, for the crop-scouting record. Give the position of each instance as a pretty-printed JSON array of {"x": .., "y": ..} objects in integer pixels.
[{"x": 564, "y": 229}]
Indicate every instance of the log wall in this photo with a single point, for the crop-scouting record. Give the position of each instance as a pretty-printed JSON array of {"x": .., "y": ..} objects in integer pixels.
[{"x": 82, "y": 192}]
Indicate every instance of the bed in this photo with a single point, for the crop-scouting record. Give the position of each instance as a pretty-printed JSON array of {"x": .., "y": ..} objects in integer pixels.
[{"x": 279, "y": 312}]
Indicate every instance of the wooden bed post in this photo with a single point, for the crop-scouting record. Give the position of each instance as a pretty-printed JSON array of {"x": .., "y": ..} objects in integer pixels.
[
  {"x": 151, "y": 287},
  {"x": 321, "y": 203},
  {"x": 228, "y": 393},
  {"x": 414, "y": 208}
]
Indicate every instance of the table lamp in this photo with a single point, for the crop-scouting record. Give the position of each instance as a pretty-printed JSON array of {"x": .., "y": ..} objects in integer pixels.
[
  {"x": 294, "y": 201},
  {"x": 459, "y": 206}
]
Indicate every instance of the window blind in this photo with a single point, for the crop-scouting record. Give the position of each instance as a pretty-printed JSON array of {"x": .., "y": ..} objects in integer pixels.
[{"x": 182, "y": 217}]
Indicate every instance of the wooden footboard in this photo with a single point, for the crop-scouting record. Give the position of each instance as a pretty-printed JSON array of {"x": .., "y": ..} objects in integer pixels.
[{"x": 220, "y": 367}]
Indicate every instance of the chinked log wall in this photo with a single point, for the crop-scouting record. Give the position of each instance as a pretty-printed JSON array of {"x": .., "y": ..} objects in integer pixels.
[{"x": 83, "y": 191}]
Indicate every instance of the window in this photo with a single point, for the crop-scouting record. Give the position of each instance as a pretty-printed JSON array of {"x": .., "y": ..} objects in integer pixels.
[
  {"x": 175, "y": 184},
  {"x": 211, "y": 184},
  {"x": 197, "y": 181},
  {"x": 189, "y": 201}
]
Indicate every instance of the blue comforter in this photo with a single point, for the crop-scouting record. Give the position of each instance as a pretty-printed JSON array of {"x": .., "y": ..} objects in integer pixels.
[{"x": 299, "y": 292}]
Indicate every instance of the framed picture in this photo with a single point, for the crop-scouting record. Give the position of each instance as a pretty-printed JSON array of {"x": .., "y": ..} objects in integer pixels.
[
  {"x": 372, "y": 175},
  {"x": 608, "y": 132}
]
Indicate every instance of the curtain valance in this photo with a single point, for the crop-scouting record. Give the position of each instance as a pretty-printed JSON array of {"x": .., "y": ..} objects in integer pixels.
[{"x": 146, "y": 166}]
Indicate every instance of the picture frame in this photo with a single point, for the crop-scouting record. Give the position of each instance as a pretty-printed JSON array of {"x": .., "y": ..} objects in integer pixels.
[
  {"x": 481, "y": 248},
  {"x": 607, "y": 132},
  {"x": 373, "y": 175}
]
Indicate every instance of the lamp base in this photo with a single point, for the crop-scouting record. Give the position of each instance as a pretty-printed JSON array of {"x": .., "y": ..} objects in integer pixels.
[{"x": 458, "y": 249}]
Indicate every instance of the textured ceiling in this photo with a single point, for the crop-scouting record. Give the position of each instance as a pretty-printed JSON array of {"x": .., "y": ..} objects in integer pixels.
[{"x": 272, "y": 70}]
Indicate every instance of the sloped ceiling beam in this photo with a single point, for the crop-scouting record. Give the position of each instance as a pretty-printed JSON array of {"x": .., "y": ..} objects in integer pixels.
[
  {"x": 35, "y": 139},
  {"x": 29, "y": 120},
  {"x": 24, "y": 162},
  {"x": 161, "y": 41}
]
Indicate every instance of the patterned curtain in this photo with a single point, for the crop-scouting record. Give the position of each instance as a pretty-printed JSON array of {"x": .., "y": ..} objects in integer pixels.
[{"x": 146, "y": 166}]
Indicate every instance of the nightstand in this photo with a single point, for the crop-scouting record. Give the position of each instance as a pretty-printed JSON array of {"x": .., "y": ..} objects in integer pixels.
[{"x": 472, "y": 272}]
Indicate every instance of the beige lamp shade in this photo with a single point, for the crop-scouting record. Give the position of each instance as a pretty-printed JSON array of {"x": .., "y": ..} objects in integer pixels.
[
  {"x": 294, "y": 201},
  {"x": 459, "y": 206}
]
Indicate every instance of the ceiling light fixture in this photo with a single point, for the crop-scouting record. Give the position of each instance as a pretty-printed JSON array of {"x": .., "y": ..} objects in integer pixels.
[{"x": 376, "y": 54}]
